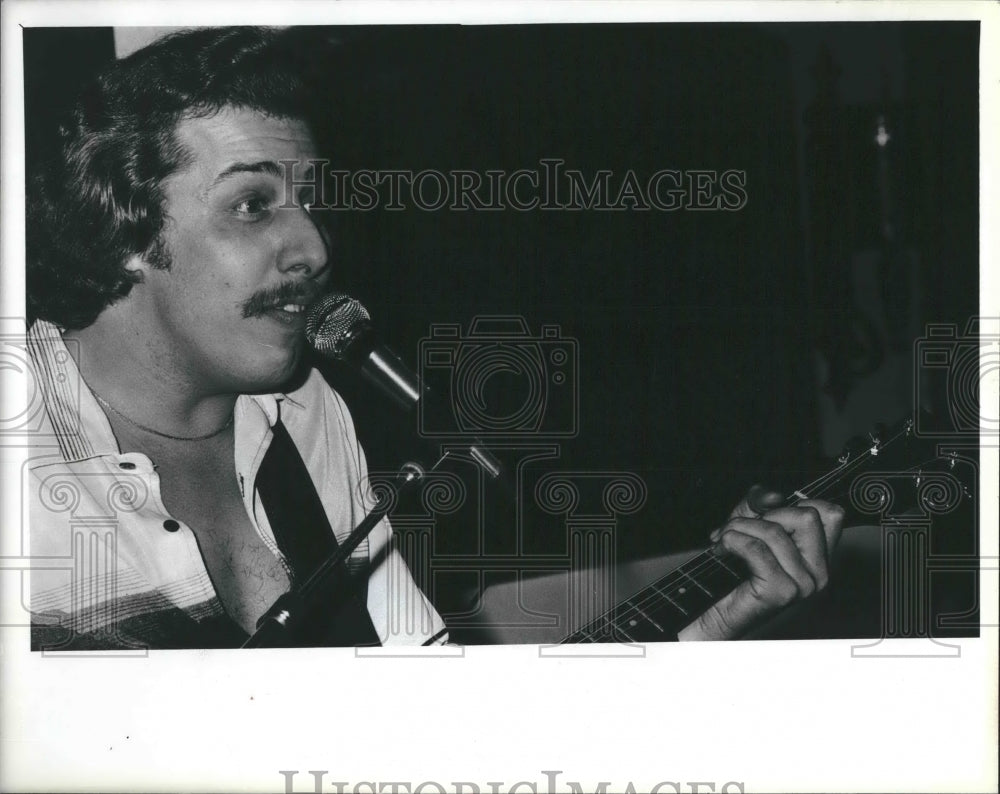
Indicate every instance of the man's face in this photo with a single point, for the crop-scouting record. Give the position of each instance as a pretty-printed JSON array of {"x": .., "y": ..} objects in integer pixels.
[{"x": 227, "y": 316}]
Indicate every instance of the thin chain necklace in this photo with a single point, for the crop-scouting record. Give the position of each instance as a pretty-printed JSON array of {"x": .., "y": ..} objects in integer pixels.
[{"x": 134, "y": 423}]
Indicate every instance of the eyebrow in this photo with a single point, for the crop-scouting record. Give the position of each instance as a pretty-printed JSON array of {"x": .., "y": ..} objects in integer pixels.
[{"x": 260, "y": 167}]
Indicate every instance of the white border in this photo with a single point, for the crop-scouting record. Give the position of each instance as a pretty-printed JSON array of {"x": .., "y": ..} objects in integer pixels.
[{"x": 764, "y": 713}]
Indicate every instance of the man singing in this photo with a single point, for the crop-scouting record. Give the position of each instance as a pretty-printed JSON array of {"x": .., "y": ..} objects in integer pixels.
[{"x": 197, "y": 467}]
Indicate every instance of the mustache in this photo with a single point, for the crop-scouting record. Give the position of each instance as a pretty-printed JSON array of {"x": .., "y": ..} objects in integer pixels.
[{"x": 259, "y": 303}]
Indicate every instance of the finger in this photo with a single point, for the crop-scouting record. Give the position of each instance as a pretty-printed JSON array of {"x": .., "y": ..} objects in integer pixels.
[
  {"x": 832, "y": 517},
  {"x": 769, "y": 588},
  {"x": 805, "y": 527},
  {"x": 759, "y": 500},
  {"x": 781, "y": 546}
]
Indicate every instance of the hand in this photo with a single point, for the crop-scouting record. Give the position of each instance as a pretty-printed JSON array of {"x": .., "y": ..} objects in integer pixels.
[{"x": 787, "y": 551}]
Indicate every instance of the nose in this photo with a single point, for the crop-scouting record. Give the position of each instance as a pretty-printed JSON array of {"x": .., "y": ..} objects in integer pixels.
[{"x": 306, "y": 248}]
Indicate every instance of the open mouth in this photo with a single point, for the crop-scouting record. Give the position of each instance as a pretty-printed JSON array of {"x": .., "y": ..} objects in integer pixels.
[
  {"x": 291, "y": 314},
  {"x": 285, "y": 304}
]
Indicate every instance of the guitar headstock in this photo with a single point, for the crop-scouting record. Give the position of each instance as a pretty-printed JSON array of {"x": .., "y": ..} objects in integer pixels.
[{"x": 893, "y": 471}]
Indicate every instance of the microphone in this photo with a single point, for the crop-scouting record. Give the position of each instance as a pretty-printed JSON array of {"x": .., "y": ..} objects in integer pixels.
[{"x": 339, "y": 327}]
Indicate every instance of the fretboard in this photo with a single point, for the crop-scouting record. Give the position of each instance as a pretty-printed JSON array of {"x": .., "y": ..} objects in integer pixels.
[
  {"x": 663, "y": 608},
  {"x": 669, "y": 604}
]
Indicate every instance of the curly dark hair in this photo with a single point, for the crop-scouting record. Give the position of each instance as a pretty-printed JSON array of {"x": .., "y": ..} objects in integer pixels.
[{"x": 98, "y": 201}]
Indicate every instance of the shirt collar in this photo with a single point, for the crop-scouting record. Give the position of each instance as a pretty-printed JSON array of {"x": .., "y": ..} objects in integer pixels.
[
  {"x": 269, "y": 404},
  {"x": 80, "y": 425}
]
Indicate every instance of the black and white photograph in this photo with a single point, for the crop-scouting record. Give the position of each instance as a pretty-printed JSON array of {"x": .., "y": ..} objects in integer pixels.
[{"x": 381, "y": 383}]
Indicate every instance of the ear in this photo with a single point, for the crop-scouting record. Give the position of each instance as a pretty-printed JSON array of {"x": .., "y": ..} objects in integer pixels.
[{"x": 137, "y": 266}]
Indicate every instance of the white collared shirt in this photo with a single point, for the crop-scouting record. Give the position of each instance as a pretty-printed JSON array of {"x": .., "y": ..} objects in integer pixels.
[{"x": 125, "y": 572}]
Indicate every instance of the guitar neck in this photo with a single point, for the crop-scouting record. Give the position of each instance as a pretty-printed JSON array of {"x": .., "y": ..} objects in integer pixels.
[
  {"x": 663, "y": 608},
  {"x": 669, "y": 604}
]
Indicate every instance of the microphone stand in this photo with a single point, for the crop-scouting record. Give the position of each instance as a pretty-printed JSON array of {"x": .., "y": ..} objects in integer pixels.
[
  {"x": 282, "y": 618},
  {"x": 284, "y": 615}
]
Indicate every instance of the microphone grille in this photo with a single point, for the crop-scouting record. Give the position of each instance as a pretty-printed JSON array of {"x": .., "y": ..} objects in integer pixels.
[{"x": 332, "y": 321}]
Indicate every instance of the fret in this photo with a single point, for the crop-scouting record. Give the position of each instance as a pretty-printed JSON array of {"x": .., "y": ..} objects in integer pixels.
[
  {"x": 697, "y": 583},
  {"x": 686, "y": 592},
  {"x": 666, "y": 596},
  {"x": 670, "y": 603},
  {"x": 666, "y": 614},
  {"x": 620, "y": 630},
  {"x": 690, "y": 600},
  {"x": 635, "y": 624},
  {"x": 666, "y": 605},
  {"x": 639, "y": 609},
  {"x": 722, "y": 562}
]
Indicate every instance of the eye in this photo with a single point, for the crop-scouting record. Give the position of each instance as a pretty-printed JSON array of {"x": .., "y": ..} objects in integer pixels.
[{"x": 252, "y": 206}]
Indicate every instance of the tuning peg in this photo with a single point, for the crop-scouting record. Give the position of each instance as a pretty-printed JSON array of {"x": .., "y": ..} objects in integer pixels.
[{"x": 854, "y": 447}]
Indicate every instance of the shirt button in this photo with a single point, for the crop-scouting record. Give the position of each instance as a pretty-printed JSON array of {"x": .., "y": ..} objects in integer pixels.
[
  {"x": 127, "y": 465},
  {"x": 170, "y": 525}
]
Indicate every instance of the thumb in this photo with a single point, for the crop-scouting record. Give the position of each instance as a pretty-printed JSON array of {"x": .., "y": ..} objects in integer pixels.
[{"x": 759, "y": 500}]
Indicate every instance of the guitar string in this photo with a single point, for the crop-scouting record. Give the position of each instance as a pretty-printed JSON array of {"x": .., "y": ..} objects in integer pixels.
[
  {"x": 708, "y": 561},
  {"x": 839, "y": 472},
  {"x": 914, "y": 469},
  {"x": 600, "y": 623},
  {"x": 635, "y": 609},
  {"x": 713, "y": 561}
]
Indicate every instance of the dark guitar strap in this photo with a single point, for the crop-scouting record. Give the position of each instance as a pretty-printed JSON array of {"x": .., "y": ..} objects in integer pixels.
[{"x": 305, "y": 537}]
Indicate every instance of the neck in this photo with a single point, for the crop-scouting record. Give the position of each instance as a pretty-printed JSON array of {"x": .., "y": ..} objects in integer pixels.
[{"x": 142, "y": 386}]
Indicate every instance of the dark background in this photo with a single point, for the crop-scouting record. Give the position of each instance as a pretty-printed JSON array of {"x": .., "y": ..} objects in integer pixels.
[{"x": 716, "y": 349}]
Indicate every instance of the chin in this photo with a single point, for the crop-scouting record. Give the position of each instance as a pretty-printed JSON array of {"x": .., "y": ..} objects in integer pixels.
[{"x": 274, "y": 373}]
